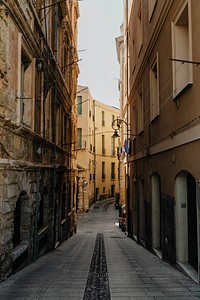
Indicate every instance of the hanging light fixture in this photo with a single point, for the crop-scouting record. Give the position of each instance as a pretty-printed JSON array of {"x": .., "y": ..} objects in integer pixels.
[{"x": 116, "y": 134}]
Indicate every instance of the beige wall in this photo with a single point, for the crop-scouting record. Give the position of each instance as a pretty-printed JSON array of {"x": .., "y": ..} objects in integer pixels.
[
  {"x": 90, "y": 156},
  {"x": 106, "y": 185},
  {"x": 122, "y": 59},
  {"x": 167, "y": 142},
  {"x": 85, "y": 153}
]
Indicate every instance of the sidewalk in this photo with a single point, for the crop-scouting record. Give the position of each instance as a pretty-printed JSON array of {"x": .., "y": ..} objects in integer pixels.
[{"x": 99, "y": 262}]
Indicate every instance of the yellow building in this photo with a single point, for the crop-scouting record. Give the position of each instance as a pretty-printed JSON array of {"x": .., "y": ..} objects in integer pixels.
[
  {"x": 85, "y": 147},
  {"x": 107, "y": 147},
  {"x": 97, "y": 158}
]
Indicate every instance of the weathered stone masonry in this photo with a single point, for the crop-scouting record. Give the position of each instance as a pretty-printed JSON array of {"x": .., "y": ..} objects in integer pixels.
[{"x": 37, "y": 127}]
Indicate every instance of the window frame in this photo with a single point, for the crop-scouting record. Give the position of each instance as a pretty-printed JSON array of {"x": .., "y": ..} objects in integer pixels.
[
  {"x": 154, "y": 89},
  {"x": 140, "y": 103},
  {"x": 79, "y": 138},
  {"x": 139, "y": 28},
  {"x": 79, "y": 105},
  {"x": 152, "y": 5},
  {"x": 26, "y": 86},
  {"x": 183, "y": 79}
]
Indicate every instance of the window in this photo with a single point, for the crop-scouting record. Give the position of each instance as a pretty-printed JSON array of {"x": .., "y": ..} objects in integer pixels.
[
  {"x": 66, "y": 137},
  {"x": 112, "y": 190},
  {"x": 133, "y": 55},
  {"x": 133, "y": 120},
  {"x": 103, "y": 175},
  {"x": 103, "y": 145},
  {"x": 57, "y": 121},
  {"x": 38, "y": 98},
  {"x": 25, "y": 89},
  {"x": 140, "y": 112},
  {"x": 79, "y": 137},
  {"x": 103, "y": 118},
  {"x": 154, "y": 89},
  {"x": 79, "y": 105},
  {"x": 139, "y": 28},
  {"x": 182, "y": 49},
  {"x": 112, "y": 171},
  {"x": 152, "y": 4}
]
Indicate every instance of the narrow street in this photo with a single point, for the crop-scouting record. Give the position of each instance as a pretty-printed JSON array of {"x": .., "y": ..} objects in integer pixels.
[{"x": 99, "y": 262}]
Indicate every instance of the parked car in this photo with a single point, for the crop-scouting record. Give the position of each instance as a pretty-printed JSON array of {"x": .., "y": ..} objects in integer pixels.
[{"x": 122, "y": 217}]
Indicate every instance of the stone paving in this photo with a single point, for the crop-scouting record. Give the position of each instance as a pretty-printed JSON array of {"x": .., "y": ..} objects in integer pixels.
[{"x": 99, "y": 262}]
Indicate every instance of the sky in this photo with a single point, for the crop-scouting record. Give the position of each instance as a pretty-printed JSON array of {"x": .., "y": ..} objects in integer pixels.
[{"x": 98, "y": 26}]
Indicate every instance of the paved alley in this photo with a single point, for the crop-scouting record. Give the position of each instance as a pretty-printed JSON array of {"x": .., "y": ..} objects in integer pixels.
[{"x": 99, "y": 262}]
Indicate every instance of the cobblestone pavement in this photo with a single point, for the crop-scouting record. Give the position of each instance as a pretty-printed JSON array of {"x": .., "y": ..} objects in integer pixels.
[{"x": 99, "y": 263}]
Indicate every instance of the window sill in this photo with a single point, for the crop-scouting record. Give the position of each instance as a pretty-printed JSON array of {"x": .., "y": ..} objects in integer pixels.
[
  {"x": 19, "y": 250},
  {"x": 176, "y": 95}
]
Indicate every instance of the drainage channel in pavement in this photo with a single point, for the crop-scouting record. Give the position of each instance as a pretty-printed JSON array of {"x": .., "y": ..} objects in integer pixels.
[{"x": 97, "y": 286}]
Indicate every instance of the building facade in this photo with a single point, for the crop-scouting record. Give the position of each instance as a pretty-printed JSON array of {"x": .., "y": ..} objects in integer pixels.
[
  {"x": 38, "y": 82},
  {"x": 85, "y": 148},
  {"x": 107, "y": 151},
  {"x": 121, "y": 54},
  {"x": 163, "y": 79},
  {"x": 97, "y": 158}
]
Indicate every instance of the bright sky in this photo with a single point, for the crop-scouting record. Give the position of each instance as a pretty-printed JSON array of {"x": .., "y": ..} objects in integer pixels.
[{"x": 99, "y": 25}]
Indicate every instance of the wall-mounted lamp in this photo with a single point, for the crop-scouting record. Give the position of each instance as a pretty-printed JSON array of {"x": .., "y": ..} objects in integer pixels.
[
  {"x": 116, "y": 134},
  {"x": 118, "y": 124}
]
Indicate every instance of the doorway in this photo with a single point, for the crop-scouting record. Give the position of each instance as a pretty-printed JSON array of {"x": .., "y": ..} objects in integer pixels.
[
  {"x": 186, "y": 219},
  {"x": 156, "y": 222},
  {"x": 192, "y": 222}
]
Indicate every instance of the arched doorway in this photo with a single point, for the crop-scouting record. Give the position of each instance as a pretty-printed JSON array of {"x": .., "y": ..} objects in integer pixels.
[
  {"x": 192, "y": 222},
  {"x": 186, "y": 219}
]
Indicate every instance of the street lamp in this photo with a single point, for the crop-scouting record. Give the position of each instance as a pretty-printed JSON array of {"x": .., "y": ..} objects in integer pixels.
[
  {"x": 116, "y": 127},
  {"x": 118, "y": 124}
]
